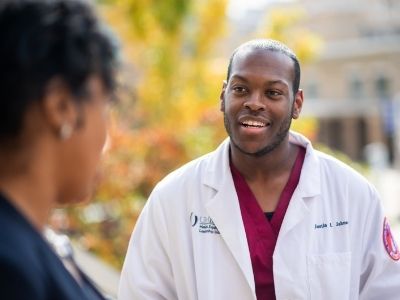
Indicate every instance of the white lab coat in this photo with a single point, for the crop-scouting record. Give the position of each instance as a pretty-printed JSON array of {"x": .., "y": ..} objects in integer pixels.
[{"x": 189, "y": 242}]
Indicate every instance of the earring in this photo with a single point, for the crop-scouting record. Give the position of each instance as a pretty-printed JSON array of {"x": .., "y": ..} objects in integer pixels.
[{"x": 65, "y": 131}]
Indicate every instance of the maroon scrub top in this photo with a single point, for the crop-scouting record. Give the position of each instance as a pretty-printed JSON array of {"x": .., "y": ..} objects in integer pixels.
[{"x": 261, "y": 233}]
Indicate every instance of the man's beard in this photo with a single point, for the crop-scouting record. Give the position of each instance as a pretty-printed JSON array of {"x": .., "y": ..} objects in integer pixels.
[{"x": 278, "y": 138}]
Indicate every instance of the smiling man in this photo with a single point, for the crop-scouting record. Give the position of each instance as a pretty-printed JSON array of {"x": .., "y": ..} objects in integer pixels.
[{"x": 264, "y": 216}]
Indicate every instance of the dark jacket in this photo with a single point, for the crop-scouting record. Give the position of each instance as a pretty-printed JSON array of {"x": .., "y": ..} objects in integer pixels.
[{"x": 29, "y": 269}]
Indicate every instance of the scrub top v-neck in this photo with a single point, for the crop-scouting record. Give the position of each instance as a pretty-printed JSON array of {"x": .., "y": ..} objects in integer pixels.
[{"x": 262, "y": 233}]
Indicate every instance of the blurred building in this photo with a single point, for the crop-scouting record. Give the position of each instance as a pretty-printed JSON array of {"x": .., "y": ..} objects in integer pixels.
[{"x": 353, "y": 88}]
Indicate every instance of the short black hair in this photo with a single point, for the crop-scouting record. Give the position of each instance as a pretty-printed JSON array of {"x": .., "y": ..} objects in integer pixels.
[
  {"x": 270, "y": 45},
  {"x": 44, "y": 39}
]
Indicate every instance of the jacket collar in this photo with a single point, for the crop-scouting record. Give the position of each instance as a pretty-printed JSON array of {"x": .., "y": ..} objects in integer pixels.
[
  {"x": 310, "y": 179},
  {"x": 218, "y": 166}
]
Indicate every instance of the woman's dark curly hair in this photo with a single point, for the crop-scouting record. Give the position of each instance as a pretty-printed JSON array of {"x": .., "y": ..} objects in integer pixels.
[{"x": 44, "y": 39}]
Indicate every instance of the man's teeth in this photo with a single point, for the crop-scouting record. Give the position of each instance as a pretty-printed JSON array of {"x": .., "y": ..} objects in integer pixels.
[{"x": 253, "y": 124}]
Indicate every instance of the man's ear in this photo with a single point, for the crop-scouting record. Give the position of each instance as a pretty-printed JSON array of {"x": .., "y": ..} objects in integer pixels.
[
  {"x": 59, "y": 109},
  {"x": 222, "y": 96},
  {"x": 297, "y": 104}
]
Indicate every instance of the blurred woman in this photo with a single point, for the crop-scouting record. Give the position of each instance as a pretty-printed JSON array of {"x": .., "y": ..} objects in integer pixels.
[{"x": 56, "y": 77}]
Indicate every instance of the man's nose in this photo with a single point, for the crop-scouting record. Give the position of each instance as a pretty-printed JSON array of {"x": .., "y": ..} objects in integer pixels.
[{"x": 255, "y": 102}]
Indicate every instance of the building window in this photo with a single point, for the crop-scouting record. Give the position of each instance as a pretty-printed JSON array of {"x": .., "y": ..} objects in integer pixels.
[
  {"x": 382, "y": 86},
  {"x": 362, "y": 137},
  {"x": 356, "y": 89},
  {"x": 312, "y": 90},
  {"x": 331, "y": 133}
]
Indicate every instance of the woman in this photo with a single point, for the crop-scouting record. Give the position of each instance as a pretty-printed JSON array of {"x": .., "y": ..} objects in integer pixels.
[{"x": 56, "y": 77}]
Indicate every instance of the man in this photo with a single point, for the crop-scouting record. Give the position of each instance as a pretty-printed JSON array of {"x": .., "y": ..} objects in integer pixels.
[{"x": 265, "y": 216}]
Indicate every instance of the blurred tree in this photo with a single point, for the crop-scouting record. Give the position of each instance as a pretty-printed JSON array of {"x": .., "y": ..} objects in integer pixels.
[{"x": 167, "y": 112}]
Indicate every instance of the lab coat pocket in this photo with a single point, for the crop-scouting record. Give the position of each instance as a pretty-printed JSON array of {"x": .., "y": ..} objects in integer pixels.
[{"x": 329, "y": 276}]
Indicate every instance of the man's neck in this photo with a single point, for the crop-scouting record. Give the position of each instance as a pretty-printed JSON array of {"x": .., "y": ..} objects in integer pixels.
[{"x": 275, "y": 163}]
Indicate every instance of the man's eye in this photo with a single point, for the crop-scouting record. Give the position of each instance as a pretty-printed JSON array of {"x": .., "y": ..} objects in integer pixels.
[
  {"x": 239, "y": 89},
  {"x": 273, "y": 93}
]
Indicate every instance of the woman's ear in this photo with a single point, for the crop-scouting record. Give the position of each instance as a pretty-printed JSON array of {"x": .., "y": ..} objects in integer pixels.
[
  {"x": 59, "y": 108},
  {"x": 297, "y": 104},
  {"x": 222, "y": 96}
]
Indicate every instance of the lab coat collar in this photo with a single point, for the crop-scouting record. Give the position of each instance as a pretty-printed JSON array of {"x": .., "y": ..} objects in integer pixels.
[
  {"x": 310, "y": 179},
  {"x": 218, "y": 167},
  {"x": 224, "y": 208},
  {"x": 308, "y": 188}
]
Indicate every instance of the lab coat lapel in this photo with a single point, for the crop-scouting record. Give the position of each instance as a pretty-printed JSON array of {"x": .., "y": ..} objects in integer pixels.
[
  {"x": 224, "y": 210},
  {"x": 308, "y": 188},
  {"x": 295, "y": 213}
]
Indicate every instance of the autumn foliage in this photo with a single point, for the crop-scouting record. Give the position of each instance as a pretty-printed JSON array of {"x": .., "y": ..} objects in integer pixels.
[{"x": 167, "y": 112}]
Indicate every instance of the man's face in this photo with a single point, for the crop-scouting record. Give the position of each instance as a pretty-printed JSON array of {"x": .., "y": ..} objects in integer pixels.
[{"x": 258, "y": 101}]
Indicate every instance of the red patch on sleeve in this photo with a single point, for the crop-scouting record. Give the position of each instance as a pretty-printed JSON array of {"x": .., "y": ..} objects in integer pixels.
[{"x": 388, "y": 241}]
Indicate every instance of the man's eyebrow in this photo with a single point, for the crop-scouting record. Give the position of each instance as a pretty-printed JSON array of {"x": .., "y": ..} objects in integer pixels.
[
  {"x": 238, "y": 77},
  {"x": 279, "y": 81}
]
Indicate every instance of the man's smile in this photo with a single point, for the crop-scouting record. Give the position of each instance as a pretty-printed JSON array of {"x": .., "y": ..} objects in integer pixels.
[{"x": 253, "y": 125}]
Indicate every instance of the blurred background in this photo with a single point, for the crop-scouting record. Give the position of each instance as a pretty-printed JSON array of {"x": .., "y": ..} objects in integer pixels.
[{"x": 174, "y": 59}]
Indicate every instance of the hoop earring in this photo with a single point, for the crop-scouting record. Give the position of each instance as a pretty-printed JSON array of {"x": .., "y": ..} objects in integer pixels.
[{"x": 65, "y": 131}]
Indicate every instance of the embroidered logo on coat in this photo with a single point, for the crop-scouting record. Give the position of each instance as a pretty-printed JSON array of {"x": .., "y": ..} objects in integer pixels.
[
  {"x": 205, "y": 224},
  {"x": 193, "y": 219},
  {"x": 388, "y": 241}
]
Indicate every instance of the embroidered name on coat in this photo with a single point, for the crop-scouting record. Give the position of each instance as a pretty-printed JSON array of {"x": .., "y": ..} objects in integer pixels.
[{"x": 328, "y": 225}]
